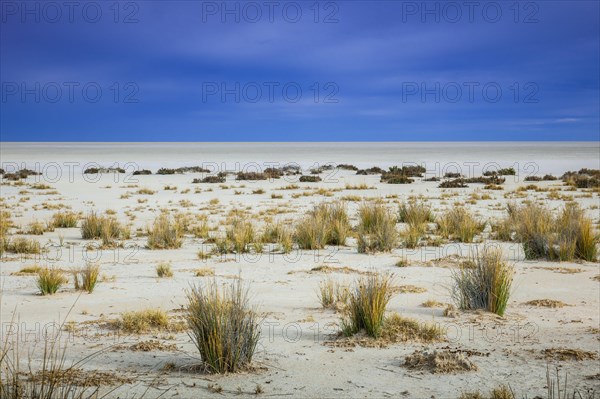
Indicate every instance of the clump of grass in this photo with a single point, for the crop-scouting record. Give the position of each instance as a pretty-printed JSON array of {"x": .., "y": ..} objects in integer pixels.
[
  {"x": 413, "y": 234},
  {"x": 332, "y": 294},
  {"x": 85, "y": 279},
  {"x": 442, "y": 362},
  {"x": 104, "y": 227},
  {"x": 163, "y": 270},
  {"x": 65, "y": 219},
  {"x": 458, "y": 223},
  {"x": 376, "y": 228},
  {"x": 280, "y": 234},
  {"x": 568, "y": 236},
  {"x": 485, "y": 286},
  {"x": 166, "y": 233},
  {"x": 21, "y": 245},
  {"x": 50, "y": 280},
  {"x": 36, "y": 228},
  {"x": 142, "y": 321},
  {"x": 241, "y": 234},
  {"x": 415, "y": 213},
  {"x": 222, "y": 326},
  {"x": 326, "y": 224},
  {"x": 366, "y": 305}
]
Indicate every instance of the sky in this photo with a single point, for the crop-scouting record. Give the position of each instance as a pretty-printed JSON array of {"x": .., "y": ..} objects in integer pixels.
[{"x": 299, "y": 70}]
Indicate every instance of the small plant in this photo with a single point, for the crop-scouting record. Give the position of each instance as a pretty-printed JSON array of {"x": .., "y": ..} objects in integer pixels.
[
  {"x": 163, "y": 270},
  {"x": 36, "y": 228},
  {"x": 331, "y": 294},
  {"x": 376, "y": 228},
  {"x": 222, "y": 326},
  {"x": 65, "y": 219},
  {"x": 50, "y": 280},
  {"x": 166, "y": 233},
  {"x": 413, "y": 234},
  {"x": 85, "y": 279},
  {"x": 104, "y": 227},
  {"x": 241, "y": 234},
  {"x": 21, "y": 245},
  {"x": 366, "y": 305},
  {"x": 486, "y": 285},
  {"x": 459, "y": 224},
  {"x": 143, "y": 320},
  {"x": 415, "y": 213},
  {"x": 280, "y": 234}
]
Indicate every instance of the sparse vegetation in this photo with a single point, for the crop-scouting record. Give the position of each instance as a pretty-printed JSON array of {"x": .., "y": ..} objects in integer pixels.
[
  {"x": 376, "y": 229},
  {"x": 166, "y": 233},
  {"x": 163, "y": 270},
  {"x": 105, "y": 227},
  {"x": 367, "y": 302},
  {"x": 458, "y": 223},
  {"x": 326, "y": 224},
  {"x": 50, "y": 280},
  {"x": 568, "y": 236},
  {"x": 65, "y": 219},
  {"x": 486, "y": 286},
  {"x": 222, "y": 326},
  {"x": 142, "y": 321},
  {"x": 85, "y": 279}
]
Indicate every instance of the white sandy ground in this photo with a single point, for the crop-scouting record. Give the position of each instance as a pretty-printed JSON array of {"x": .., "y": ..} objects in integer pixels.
[{"x": 292, "y": 359}]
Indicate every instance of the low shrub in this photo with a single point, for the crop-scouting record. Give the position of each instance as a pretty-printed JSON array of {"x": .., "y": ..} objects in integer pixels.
[
  {"x": 309, "y": 179},
  {"x": 415, "y": 213},
  {"x": 142, "y": 321}
]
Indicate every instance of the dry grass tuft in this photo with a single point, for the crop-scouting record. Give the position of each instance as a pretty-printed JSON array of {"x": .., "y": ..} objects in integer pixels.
[
  {"x": 366, "y": 305},
  {"x": 163, "y": 270},
  {"x": 376, "y": 228},
  {"x": 85, "y": 279},
  {"x": 458, "y": 223},
  {"x": 439, "y": 362},
  {"x": 409, "y": 289},
  {"x": 166, "y": 233},
  {"x": 143, "y": 321},
  {"x": 65, "y": 219},
  {"x": 564, "y": 354},
  {"x": 50, "y": 280},
  {"x": 332, "y": 294},
  {"x": 204, "y": 272},
  {"x": 485, "y": 286},
  {"x": 546, "y": 303},
  {"x": 326, "y": 224},
  {"x": 222, "y": 326}
]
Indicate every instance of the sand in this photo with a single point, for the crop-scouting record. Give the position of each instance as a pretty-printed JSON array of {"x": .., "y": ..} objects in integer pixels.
[{"x": 293, "y": 357}]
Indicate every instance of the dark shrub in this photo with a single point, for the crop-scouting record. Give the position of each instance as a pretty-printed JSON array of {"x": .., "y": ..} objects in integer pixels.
[
  {"x": 251, "y": 176},
  {"x": 210, "y": 179},
  {"x": 451, "y": 175},
  {"x": 456, "y": 183},
  {"x": 345, "y": 166},
  {"x": 375, "y": 170},
  {"x": 142, "y": 172},
  {"x": 310, "y": 179}
]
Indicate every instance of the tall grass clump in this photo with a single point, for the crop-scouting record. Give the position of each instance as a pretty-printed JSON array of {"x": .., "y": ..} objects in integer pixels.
[
  {"x": 569, "y": 235},
  {"x": 166, "y": 233},
  {"x": 280, "y": 234},
  {"x": 413, "y": 234},
  {"x": 163, "y": 270},
  {"x": 50, "y": 280},
  {"x": 104, "y": 227},
  {"x": 415, "y": 213},
  {"x": 85, "y": 279},
  {"x": 376, "y": 228},
  {"x": 366, "y": 305},
  {"x": 459, "y": 224},
  {"x": 241, "y": 234},
  {"x": 486, "y": 285},
  {"x": 65, "y": 219},
  {"x": 223, "y": 327},
  {"x": 326, "y": 224},
  {"x": 331, "y": 293}
]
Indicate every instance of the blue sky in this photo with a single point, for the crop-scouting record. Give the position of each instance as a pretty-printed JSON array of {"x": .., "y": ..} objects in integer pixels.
[{"x": 259, "y": 71}]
